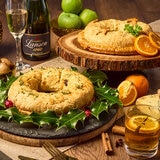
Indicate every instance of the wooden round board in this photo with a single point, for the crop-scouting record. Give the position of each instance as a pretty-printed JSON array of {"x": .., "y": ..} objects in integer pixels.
[
  {"x": 33, "y": 136},
  {"x": 69, "y": 49}
]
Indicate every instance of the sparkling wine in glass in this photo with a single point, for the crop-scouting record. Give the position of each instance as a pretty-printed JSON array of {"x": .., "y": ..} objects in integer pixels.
[{"x": 17, "y": 15}]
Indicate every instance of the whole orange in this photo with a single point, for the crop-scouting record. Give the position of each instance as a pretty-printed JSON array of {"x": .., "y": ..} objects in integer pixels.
[{"x": 141, "y": 83}]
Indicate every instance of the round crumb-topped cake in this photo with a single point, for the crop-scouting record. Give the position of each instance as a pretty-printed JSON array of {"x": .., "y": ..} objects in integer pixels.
[
  {"x": 111, "y": 36},
  {"x": 54, "y": 89}
]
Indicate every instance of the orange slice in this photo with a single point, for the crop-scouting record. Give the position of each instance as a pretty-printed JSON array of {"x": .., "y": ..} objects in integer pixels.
[
  {"x": 143, "y": 124},
  {"x": 155, "y": 39},
  {"x": 127, "y": 92},
  {"x": 144, "y": 46}
]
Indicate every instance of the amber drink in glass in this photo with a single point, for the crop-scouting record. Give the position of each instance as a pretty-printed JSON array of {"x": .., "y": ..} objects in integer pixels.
[{"x": 142, "y": 131}]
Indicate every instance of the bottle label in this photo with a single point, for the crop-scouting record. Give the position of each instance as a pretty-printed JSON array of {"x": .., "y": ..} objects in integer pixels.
[{"x": 36, "y": 44}]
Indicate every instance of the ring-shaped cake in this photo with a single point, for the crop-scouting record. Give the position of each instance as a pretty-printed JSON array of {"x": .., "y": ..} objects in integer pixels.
[{"x": 54, "y": 89}]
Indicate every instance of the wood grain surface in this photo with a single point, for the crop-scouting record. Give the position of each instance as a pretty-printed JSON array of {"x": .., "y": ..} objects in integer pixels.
[{"x": 70, "y": 49}]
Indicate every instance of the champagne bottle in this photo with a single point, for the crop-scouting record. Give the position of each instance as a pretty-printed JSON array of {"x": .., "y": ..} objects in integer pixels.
[{"x": 36, "y": 40}]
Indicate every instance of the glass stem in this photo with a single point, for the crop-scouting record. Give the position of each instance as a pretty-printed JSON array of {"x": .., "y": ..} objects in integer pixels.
[{"x": 19, "y": 62}]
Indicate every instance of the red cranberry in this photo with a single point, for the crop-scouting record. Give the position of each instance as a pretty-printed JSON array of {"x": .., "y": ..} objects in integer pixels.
[
  {"x": 88, "y": 112},
  {"x": 8, "y": 104}
]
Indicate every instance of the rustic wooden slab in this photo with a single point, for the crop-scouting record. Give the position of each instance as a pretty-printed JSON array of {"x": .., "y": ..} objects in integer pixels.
[{"x": 69, "y": 49}]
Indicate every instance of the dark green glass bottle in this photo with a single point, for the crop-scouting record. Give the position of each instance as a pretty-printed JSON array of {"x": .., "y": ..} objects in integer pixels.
[{"x": 36, "y": 40}]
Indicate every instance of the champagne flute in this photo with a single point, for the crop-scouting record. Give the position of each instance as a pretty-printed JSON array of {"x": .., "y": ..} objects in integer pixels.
[{"x": 17, "y": 16}]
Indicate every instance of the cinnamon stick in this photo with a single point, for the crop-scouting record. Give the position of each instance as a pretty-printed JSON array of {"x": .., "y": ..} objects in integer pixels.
[
  {"x": 106, "y": 143},
  {"x": 118, "y": 129}
]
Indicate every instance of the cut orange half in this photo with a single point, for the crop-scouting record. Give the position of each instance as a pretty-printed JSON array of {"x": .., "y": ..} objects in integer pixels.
[
  {"x": 127, "y": 92},
  {"x": 155, "y": 39},
  {"x": 144, "y": 46},
  {"x": 143, "y": 124}
]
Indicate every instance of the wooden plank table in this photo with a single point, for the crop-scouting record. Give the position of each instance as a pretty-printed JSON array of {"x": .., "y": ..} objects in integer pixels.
[{"x": 145, "y": 10}]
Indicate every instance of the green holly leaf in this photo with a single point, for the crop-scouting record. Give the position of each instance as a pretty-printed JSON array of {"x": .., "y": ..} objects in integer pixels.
[
  {"x": 71, "y": 119},
  {"x": 95, "y": 76},
  {"x": 98, "y": 107},
  {"x": 7, "y": 114},
  {"x": 106, "y": 96},
  {"x": 47, "y": 117},
  {"x": 4, "y": 86},
  {"x": 20, "y": 118},
  {"x": 3, "y": 96},
  {"x": 106, "y": 93}
]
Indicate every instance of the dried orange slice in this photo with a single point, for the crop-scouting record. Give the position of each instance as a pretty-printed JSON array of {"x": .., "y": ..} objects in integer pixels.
[
  {"x": 127, "y": 92},
  {"x": 143, "y": 123},
  {"x": 144, "y": 46},
  {"x": 155, "y": 39}
]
